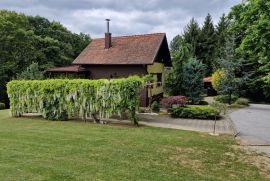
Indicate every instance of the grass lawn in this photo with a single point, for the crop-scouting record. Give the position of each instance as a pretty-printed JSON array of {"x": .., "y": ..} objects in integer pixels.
[{"x": 37, "y": 149}]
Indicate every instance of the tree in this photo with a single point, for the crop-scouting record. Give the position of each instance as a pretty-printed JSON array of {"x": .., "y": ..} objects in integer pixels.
[
  {"x": 31, "y": 73},
  {"x": 207, "y": 44},
  {"x": 250, "y": 22},
  {"x": 26, "y": 39},
  {"x": 191, "y": 35},
  {"x": 193, "y": 73},
  {"x": 222, "y": 36},
  {"x": 174, "y": 77},
  {"x": 228, "y": 83}
]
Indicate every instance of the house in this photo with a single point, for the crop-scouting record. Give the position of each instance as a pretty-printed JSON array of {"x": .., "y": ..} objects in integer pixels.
[
  {"x": 122, "y": 56},
  {"x": 207, "y": 82}
]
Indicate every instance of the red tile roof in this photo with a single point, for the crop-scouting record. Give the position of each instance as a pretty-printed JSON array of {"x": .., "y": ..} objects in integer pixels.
[
  {"x": 136, "y": 49},
  {"x": 73, "y": 68}
]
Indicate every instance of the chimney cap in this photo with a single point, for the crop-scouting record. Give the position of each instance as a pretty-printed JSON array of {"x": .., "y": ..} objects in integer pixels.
[{"x": 107, "y": 19}]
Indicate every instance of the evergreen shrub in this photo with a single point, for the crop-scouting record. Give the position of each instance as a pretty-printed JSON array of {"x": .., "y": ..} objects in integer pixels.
[{"x": 195, "y": 112}]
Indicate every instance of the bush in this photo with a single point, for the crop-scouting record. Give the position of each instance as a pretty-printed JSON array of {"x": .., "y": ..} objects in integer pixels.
[
  {"x": 2, "y": 105},
  {"x": 173, "y": 100},
  {"x": 60, "y": 99},
  {"x": 203, "y": 103},
  {"x": 225, "y": 98},
  {"x": 242, "y": 101},
  {"x": 195, "y": 112},
  {"x": 155, "y": 107}
]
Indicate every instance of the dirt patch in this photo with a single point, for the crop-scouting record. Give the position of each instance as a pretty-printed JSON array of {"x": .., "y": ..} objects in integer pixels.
[{"x": 260, "y": 160}]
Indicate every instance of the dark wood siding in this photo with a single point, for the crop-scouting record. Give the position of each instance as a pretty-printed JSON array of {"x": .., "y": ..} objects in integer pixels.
[{"x": 115, "y": 71}]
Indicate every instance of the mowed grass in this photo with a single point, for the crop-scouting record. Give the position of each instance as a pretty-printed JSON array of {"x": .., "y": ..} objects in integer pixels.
[{"x": 37, "y": 149}]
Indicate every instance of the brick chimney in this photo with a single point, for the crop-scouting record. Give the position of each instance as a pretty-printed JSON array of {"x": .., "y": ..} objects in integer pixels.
[{"x": 108, "y": 36}]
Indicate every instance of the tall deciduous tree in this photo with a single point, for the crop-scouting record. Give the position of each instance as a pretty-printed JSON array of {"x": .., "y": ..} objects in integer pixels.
[
  {"x": 251, "y": 25},
  {"x": 26, "y": 39}
]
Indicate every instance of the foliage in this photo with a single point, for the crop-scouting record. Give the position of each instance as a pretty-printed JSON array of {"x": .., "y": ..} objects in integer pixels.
[
  {"x": 168, "y": 102},
  {"x": 242, "y": 101},
  {"x": 250, "y": 22},
  {"x": 2, "y": 105},
  {"x": 193, "y": 73},
  {"x": 207, "y": 44},
  {"x": 202, "y": 102},
  {"x": 174, "y": 77},
  {"x": 216, "y": 76},
  {"x": 195, "y": 112},
  {"x": 221, "y": 107},
  {"x": 225, "y": 98},
  {"x": 31, "y": 73},
  {"x": 155, "y": 107},
  {"x": 222, "y": 36},
  {"x": 226, "y": 80},
  {"x": 59, "y": 99},
  {"x": 26, "y": 39}
]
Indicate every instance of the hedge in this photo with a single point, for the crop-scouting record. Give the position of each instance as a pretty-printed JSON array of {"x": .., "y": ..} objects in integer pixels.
[
  {"x": 195, "y": 112},
  {"x": 2, "y": 106},
  {"x": 61, "y": 99},
  {"x": 225, "y": 98}
]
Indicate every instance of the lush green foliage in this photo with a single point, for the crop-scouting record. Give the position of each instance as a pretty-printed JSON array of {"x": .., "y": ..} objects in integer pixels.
[
  {"x": 31, "y": 73},
  {"x": 250, "y": 22},
  {"x": 195, "y": 112},
  {"x": 36, "y": 149},
  {"x": 2, "y": 105},
  {"x": 242, "y": 101},
  {"x": 155, "y": 107},
  {"x": 168, "y": 102},
  {"x": 226, "y": 81},
  {"x": 207, "y": 44},
  {"x": 193, "y": 73},
  {"x": 61, "y": 98},
  {"x": 225, "y": 98},
  {"x": 26, "y": 39}
]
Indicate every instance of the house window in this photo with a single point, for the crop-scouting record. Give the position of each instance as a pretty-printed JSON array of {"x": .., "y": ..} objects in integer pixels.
[{"x": 159, "y": 80}]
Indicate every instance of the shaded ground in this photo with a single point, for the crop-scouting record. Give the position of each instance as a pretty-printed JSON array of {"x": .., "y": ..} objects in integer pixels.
[
  {"x": 253, "y": 126},
  {"x": 37, "y": 149}
]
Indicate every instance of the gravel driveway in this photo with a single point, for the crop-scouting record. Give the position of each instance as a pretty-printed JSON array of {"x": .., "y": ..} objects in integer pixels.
[{"x": 253, "y": 123}]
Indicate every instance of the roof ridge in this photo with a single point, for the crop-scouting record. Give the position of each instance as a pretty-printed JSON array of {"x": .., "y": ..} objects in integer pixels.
[{"x": 137, "y": 35}]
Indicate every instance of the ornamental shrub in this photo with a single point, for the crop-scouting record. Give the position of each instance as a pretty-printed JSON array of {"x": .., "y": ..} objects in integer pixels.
[
  {"x": 216, "y": 76},
  {"x": 195, "y": 112},
  {"x": 242, "y": 101},
  {"x": 2, "y": 106},
  {"x": 225, "y": 98},
  {"x": 155, "y": 107},
  {"x": 60, "y": 99},
  {"x": 173, "y": 100}
]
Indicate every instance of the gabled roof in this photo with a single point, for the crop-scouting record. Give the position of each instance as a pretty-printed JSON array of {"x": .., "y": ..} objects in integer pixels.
[
  {"x": 131, "y": 50},
  {"x": 73, "y": 68}
]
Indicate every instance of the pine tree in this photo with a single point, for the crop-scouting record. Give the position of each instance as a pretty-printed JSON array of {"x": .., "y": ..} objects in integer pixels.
[
  {"x": 193, "y": 73},
  {"x": 206, "y": 43},
  {"x": 222, "y": 35},
  {"x": 191, "y": 35}
]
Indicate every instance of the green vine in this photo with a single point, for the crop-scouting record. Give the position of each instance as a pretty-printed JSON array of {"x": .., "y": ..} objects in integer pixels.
[{"x": 61, "y": 99}]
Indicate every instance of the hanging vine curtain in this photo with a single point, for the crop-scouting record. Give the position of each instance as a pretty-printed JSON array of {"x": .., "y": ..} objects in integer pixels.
[{"x": 61, "y": 99}]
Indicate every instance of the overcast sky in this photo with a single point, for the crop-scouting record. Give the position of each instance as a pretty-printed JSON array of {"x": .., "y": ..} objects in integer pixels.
[{"x": 127, "y": 16}]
